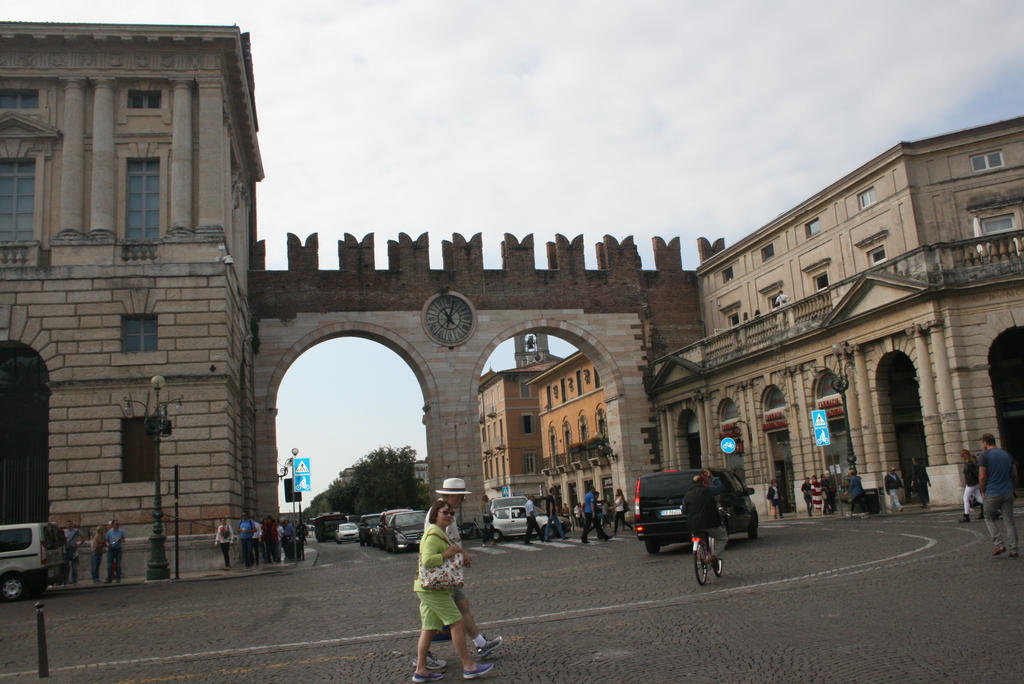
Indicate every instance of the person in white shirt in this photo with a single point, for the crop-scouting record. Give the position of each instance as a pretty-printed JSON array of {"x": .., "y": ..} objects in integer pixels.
[{"x": 782, "y": 299}]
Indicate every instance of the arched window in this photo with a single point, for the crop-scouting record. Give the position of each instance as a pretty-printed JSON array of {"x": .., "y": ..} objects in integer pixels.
[
  {"x": 567, "y": 432},
  {"x": 602, "y": 423},
  {"x": 728, "y": 412},
  {"x": 584, "y": 429},
  {"x": 774, "y": 399},
  {"x": 553, "y": 439}
]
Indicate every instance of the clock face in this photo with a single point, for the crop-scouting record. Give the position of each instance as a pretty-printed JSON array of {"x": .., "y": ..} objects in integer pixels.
[{"x": 448, "y": 319}]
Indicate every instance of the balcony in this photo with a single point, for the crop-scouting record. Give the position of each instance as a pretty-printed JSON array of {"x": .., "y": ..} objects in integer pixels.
[{"x": 934, "y": 266}]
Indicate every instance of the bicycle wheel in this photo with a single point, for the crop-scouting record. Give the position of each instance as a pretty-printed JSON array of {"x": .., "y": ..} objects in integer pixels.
[{"x": 700, "y": 566}]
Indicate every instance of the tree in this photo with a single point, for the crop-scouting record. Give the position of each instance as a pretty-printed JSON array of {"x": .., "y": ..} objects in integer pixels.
[{"x": 386, "y": 478}]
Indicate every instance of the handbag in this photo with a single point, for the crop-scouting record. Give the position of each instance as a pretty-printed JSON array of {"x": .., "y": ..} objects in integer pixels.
[{"x": 447, "y": 575}]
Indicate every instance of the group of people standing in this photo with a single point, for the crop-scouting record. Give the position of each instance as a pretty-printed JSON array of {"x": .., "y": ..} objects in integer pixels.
[
  {"x": 266, "y": 539},
  {"x": 819, "y": 495},
  {"x": 107, "y": 539}
]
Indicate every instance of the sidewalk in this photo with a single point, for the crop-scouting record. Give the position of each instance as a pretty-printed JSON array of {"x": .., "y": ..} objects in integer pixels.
[{"x": 235, "y": 572}]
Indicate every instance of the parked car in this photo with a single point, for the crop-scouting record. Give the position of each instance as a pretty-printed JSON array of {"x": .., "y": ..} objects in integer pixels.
[
  {"x": 510, "y": 521},
  {"x": 403, "y": 531},
  {"x": 346, "y": 532},
  {"x": 31, "y": 558},
  {"x": 660, "y": 519},
  {"x": 367, "y": 523},
  {"x": 380, "y": 532},
  {"x": 505, "y": 502}
]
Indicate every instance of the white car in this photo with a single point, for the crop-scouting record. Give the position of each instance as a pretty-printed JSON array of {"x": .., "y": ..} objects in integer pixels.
[
  {"x": 510, "y": 521},
  {"x": 346, "y": 532}
]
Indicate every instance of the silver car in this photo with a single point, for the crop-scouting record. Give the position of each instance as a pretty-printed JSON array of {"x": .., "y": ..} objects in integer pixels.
[
  {"x": 346, "y": 532},
  {"x": 510, "y": 521}
]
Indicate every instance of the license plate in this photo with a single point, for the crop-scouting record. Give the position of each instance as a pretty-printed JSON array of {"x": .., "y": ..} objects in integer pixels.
[{"x": 669, "y": 513}]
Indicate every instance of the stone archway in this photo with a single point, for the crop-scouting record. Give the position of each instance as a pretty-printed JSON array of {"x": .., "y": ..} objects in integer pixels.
[{"x": 24, "y": 434}]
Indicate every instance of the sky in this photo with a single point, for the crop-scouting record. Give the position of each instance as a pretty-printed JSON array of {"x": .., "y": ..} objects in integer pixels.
[{"x": 670, "y": 118}]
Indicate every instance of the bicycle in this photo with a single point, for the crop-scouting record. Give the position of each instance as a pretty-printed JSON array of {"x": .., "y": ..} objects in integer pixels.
[{"x": 702, "y": 553}]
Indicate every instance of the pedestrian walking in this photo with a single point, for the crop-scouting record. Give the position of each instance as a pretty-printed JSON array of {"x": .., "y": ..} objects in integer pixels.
[
  {"x": 551, "y": 509},
  {"x": 222, "y": 538},
  {"x": 972, "y": 486},
  {"x": 590, "y": 520},
  {"x": 828, "y": 488},
  {"x": 115, "y": 540},
  {"x": 808, "y": 499},
  {"x": 855, "y": 490},
  {"x": 997, "y": 475},
  {"x": 893, "y": 485},
  {"x": 620, "y": 511},
  {"x": 454, "y": 491},
  {"x": 775, "y": 497},
  {"x": 531, "y": 521},
  {"x": 920, "y": 481},
  {"x": 438, "y": 607},
  {"x": 99, "y": 546},
  {"x": 72, "y": 540}
]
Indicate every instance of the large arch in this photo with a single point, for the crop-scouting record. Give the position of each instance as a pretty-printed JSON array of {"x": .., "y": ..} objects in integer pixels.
[
  {"x": 24, "y": 435},
  {"x": 1006, "y": 372}
]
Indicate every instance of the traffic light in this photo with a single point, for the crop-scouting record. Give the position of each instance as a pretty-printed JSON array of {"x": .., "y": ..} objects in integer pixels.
[{"x": 290, "y": 494}]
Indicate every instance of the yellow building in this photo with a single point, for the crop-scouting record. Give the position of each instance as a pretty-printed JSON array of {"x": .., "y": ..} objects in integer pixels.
[{"x": 574, "y": 429}]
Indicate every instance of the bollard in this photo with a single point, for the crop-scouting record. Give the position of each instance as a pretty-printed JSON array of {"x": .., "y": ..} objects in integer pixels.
[{"x": 44, "y": 667}]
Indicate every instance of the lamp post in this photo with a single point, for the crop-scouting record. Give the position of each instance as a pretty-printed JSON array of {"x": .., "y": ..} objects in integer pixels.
[
  {"x": 157, "y": 426},
  {"x": 843, "y": 352},
  {"x": 298, "y": 524}
]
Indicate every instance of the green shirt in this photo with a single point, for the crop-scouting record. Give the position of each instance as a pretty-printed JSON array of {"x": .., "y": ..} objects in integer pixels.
[{"x": 432, "y": 545}]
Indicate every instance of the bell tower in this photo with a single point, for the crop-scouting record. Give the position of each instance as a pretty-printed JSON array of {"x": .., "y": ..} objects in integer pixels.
[{"x": 531, "y": 348}]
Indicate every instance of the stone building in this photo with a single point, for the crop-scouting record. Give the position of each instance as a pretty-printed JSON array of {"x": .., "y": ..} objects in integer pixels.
[
  {"x": 903, "y": 283},
  {"x": 128, "y": 164},
  {"x": 574, "y": 429}
]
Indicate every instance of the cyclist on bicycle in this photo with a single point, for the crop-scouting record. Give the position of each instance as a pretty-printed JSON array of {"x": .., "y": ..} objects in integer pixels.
[{"x": 703, "y": 517}]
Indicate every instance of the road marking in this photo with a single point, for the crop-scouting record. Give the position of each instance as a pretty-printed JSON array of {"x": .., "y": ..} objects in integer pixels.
[{"x": 854, "y": 569}]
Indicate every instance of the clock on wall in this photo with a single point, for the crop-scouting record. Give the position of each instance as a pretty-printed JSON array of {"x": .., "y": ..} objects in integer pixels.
[{"x": 448, "y": 319}]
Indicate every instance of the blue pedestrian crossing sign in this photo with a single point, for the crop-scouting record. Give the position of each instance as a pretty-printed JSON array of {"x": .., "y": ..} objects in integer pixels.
[
  {"x": 728, "y": 445},
  {"x": 301, "y": 471},
  {"x": 819, "y": 422}
]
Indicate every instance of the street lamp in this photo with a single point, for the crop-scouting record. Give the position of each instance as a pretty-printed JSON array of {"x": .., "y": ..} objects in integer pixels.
[
  {"x": 843, "y": 352},
  {"x": 157, "y": 425}
]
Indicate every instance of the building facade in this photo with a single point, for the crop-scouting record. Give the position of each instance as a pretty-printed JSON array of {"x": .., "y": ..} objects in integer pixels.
[
  {"x": 901, "y": 315},
  {"x": 128, "y": 164},
  {"x": 574, "y": 429}
]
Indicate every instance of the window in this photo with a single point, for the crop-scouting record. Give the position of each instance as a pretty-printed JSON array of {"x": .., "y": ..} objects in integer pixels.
[
  {"x": 821, "y": 282},
  {"x": 528, "y": 424},
  {"x": 139, "y": 334},
  {"x": 143, "y": 218},
  {"x": 877, "y": 255},
  {"x": 727, "y": 274},
  {"x": 734, "y": 319},
  {"x": 584, "y": 429},
  {"x": 138, "y": 455},
  {"x": 984, "y": 162},
  {"x": 17, "y": 199},
  {"x": 524, "y": 390},
  {"x": 15, "y": 539},
  {"x": 553, "y": 441},
  {"x": 867, "y": 198},
  {"x": 19, "y": 99},
  {"x": 143, "y": 99},
  {"x": 813, "y": 228},
  {"x": 567, "y": 434},
  {"x": 767, "y": 252},
  {"x": 602, "y": 423},
  {"x": 530, "y": 462},
  {"x": 997, "y": 224}
]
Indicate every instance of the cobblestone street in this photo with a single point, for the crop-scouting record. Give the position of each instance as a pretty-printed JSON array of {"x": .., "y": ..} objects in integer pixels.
[{"x": 911, "y": 597}]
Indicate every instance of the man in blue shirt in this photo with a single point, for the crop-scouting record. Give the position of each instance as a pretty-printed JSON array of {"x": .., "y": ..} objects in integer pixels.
[
  {"x": 590, "y": 516},
  {"x": 997, "y": 474},
  {"x": 855, "y": 488},
  {"x": 115, "y": 538},
  {"x": 246, "y": 530}
]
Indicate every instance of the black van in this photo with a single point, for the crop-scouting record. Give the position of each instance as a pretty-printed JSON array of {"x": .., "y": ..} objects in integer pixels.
[{"x": 658, "y": 506}]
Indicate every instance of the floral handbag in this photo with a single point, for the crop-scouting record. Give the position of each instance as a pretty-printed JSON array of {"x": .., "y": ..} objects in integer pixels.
[{"x": 447, "y": 575}]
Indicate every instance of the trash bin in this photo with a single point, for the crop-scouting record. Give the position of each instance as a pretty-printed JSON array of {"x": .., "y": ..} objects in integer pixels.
[{"x": 871, "y": 498}]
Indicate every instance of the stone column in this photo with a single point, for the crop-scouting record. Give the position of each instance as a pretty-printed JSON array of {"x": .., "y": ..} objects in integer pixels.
[
  {"x": 103, "y": 161},
  {"x": 929, "y": 406},
  {"x": 72, "y": 174},
  {"x": 794, "y": 416},
  {"x": 947, "y": 407},
  {"x": 212, "y": 174},
  {"x": 181, "y": 156},
  {"x": 705, "y": 433},
  {"x": 870, "y": 454},
  {"x": 814, "y": 458}
]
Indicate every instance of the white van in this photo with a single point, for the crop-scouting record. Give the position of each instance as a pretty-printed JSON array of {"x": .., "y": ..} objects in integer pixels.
[{"x": 31, "y": 559}]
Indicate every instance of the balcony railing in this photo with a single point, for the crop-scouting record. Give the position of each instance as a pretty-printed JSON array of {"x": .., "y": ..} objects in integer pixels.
[{"x": 943, "y": 264}]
